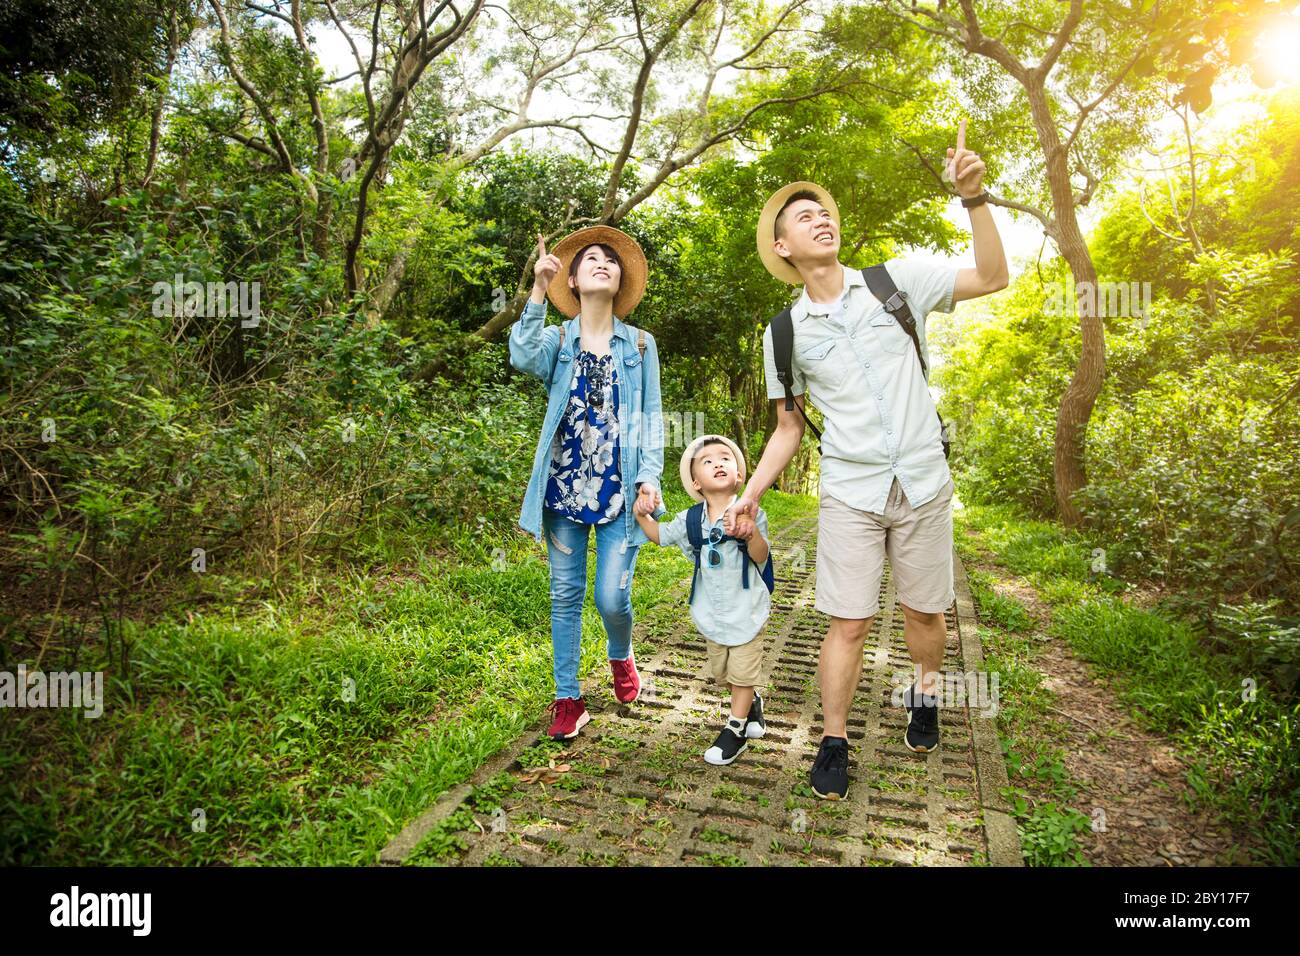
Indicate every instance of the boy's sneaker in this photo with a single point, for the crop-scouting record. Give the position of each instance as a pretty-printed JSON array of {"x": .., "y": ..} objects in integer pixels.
[
  {"x": 627, "y": 682},
  {"x": 570, "y": 716},
  {"x": 755, "y": 725},
  {"x": 731, "y": 743},
  {"x": 922, "y": 734},
  {"x": 830, "y": 771}
]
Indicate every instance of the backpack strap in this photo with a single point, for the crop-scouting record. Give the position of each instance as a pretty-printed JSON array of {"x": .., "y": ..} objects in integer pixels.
[
  {"x": 883, "y": 288},
  {"x": 695, "y": 535},
  {"x": 557, "y": 358},
  {"x": 768, "y": 571},
  {"x": 782, "y": 352}
]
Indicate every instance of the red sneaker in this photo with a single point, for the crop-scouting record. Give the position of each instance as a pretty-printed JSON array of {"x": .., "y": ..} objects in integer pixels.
[
  {"x": 627, "y": 682},
  {"x": 570, "y": 715}
]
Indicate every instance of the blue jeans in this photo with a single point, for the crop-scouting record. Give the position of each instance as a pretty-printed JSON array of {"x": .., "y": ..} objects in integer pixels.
[{"x": 566, "y": 551}]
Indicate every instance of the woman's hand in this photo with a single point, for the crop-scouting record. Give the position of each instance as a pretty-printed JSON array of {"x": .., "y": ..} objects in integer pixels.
[{"x": 545, "y": 268}]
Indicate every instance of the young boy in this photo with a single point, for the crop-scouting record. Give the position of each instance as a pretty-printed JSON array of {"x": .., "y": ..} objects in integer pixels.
[{"x": 730, "y": 596}]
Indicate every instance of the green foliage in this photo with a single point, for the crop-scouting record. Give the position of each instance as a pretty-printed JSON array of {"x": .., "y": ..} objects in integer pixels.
[
  {"x": 65, "y": 63},
  {"x": 1189, "y": 448},
  {"x": 1049, "y": 834},
  {"x": 1245, "y": 759},
  {"x": 1222, "y": 693},
  {"x": 1158, "y": 664},
  {"x": 995, "y": 608}
]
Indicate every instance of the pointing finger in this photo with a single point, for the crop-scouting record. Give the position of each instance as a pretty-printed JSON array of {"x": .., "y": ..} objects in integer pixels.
[
  {"x": 541, "y": 246},
  {"x": 961, "y": 136}
]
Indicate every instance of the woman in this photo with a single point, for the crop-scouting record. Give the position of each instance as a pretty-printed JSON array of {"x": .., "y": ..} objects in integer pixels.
[{"x": 601, "y": 445}]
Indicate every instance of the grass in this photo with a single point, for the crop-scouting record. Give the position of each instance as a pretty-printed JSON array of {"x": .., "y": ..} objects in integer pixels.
[
  {"x": 1032, "y": 739},
  {"x": 1239, "y": 736},
  {"x": 308, "y": 730}
]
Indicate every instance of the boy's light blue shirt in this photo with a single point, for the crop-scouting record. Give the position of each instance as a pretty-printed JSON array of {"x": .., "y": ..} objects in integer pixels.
[{"x": 725, "y": 611}]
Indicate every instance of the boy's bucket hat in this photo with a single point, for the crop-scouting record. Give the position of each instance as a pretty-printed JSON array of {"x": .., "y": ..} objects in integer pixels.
[
  {"x": 631, "y": 286},
  {"x": 689, "y": 454},
  {"x": 779, "y": 267}
]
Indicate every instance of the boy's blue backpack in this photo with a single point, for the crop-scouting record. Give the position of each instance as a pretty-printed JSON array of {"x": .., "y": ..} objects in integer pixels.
[{"x": 695, "y": 534}]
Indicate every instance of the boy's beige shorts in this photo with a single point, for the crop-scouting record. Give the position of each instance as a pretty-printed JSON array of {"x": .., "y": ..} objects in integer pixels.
[
  {"x": 739, "y": 665},
  {"x": 852, "y": 545}
]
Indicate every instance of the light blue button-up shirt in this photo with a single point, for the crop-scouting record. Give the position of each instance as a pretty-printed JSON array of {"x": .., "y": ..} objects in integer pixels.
[
  {"x": 725, "y": 611},
  {"x": 858, "y": 365}
]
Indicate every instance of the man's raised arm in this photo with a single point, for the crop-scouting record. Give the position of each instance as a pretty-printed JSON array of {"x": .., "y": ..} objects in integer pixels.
[{"x": 966, "y": 169}]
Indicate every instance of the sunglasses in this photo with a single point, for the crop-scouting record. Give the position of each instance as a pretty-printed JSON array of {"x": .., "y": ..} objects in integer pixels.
[{"x": 714, "y": 555}]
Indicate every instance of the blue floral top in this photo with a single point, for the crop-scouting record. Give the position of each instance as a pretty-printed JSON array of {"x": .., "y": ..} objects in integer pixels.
[{"x": 584, "y": 482}]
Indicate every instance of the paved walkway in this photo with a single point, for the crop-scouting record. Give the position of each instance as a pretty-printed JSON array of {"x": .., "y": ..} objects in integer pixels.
[{"x": 633, "y": 788}]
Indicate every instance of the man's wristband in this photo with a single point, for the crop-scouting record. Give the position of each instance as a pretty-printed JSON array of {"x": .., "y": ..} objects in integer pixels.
[{"x": 973, "y": 201}]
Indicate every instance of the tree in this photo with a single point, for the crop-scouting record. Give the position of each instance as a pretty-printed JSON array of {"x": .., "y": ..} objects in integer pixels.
[
  {"x": 1086, "y": 78},
  {"x": 660, "y": 134}
]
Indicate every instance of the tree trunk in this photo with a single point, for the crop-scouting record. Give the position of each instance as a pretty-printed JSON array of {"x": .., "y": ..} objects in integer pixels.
[{"x": 1085, "y": 385}]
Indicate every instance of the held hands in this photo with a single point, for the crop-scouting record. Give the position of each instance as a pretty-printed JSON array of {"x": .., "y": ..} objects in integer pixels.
[
  {"x": 648, "y": 499},
  {"x": 744, "y": 527},
  {"x": 965, "y": 169},
  {"x": 745, "y": 506},
  {"x": 546, "y": 267}
]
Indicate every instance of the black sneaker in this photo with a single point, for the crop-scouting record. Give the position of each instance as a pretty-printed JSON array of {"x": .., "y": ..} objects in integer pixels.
[
  {"x": 922, "y": 735},
  {"x": 731, "y": 743},
  {"x": 755, "y": 725},
  {"x": 830, "y": 771}
]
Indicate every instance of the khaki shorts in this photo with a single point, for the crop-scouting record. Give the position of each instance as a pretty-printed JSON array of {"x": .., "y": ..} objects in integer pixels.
[
  {"x": 739, "y": 665},
  {"x": 852, "y": 546}
]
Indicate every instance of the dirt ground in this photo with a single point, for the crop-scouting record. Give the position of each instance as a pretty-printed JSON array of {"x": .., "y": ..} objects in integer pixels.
[{"x": 1138, "y": 780}]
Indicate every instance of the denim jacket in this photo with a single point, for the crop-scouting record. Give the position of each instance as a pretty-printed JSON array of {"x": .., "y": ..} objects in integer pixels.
[{"x": 533, "y": 347}]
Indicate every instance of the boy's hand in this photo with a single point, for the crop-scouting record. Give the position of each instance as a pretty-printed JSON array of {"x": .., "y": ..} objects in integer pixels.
[
  {"x": 744, "y": 505},
  {"x": 744, "y": 528},
  {"x": 647, "y": 500}
]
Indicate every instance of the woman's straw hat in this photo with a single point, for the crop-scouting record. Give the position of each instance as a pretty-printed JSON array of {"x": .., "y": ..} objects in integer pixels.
[
  {"x": 779, "y": 267},
  {"x": 631, "y": 285},
  {"x": 689, "y": 454}
]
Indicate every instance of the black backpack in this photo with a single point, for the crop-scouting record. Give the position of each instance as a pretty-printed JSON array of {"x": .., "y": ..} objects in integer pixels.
[
  {"x": 695, "y": 535},
  {"x": 882, "y": 287}
]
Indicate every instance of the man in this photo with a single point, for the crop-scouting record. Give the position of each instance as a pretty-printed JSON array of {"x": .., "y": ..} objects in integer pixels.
[{"x": 885, "y": 485}]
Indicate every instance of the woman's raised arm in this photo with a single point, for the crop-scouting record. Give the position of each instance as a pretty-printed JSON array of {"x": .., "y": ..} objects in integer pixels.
[{"x": 532, "y": 343}]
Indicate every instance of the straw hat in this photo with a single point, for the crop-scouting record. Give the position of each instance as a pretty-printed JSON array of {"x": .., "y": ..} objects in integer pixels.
[
  {"x": 689, "y": 454},
  {"x": 778, "y": 266},
  {"x": 631, "y": 285}
]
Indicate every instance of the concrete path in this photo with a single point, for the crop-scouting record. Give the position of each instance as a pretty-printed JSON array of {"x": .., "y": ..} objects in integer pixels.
[{"x": 633, "y": 788}]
